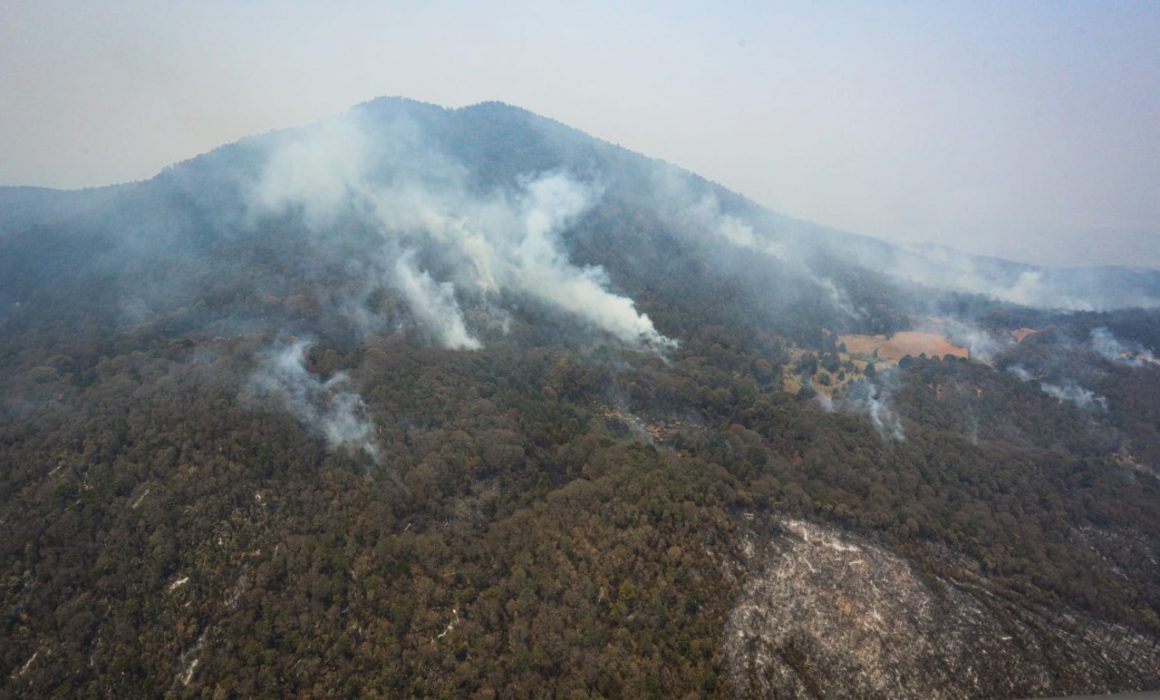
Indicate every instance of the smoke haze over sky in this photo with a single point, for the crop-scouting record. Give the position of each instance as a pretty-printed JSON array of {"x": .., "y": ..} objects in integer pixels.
[{"x": 1026, "y": 130}]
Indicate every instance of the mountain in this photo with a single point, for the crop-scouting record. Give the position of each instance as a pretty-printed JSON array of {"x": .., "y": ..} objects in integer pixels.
[{"x": 419, "y": 401}]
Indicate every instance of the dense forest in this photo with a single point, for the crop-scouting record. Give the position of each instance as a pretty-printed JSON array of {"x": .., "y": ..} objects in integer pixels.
[{"x": 511, "y": 412}]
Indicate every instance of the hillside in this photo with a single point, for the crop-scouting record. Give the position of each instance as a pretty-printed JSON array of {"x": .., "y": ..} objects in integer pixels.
[{"x": 419, "y": 401}]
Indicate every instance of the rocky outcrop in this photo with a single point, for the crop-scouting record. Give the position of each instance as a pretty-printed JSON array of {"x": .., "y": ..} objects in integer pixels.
[{"x": 827, "y": 615}]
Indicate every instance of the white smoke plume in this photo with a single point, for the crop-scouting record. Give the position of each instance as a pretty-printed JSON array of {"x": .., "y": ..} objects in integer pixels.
[
  {"x": 317, "y": 176},
  {"x": 486, "y": 243},
  {"x": 338, "y": 416},
  {"x": 1020, "y": 373},
  {"x": 1076, "y": 394},
  {"x": 1105, "y": 343},
  {"x": 1030, "y": 289},
  {"x": 871, "y": 398},
  {"x": 707, "y": 216},
  {"x": 539, "y": 267},
  {"x": 838, "y": 297},
  {"x": 433, "y": 304},
  {"x": 707, "y": 213},
  {"x": 982, "y": 345},
  {"x": 796, "y": 243},
  {"x": 1066, "y": 390}
]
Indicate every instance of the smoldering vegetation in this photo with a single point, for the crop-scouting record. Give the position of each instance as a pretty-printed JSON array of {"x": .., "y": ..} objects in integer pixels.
[
  {"x": 1065, "y": 390},
  {"x": 483, "y": 245},
  {"x": 454, "y": 224},
  {"x": 1107, "y": 346},
  {"x": 461, "y": 229},
  {"x": 324, "y": 407},
  {"x": 872, "y": 398},
  {"x": 344, "y": 201},
  {"x": 420, "y": 401},
  {"x": 1067, "y": 367}
]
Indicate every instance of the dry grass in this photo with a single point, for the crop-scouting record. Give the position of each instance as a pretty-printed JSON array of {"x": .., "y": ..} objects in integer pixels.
[
  {"x": 914, "y": 343},
  {"x": 862, "y": 344},
  {"x": 902, "y": 344}
]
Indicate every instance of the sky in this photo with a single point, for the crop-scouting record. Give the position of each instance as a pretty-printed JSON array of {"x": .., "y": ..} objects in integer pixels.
[{"x": 1028, "y": 130}]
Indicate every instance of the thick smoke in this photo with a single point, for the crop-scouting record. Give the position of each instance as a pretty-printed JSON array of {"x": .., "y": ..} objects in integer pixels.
[
  {"x": 533, "y": 262},
  {"x": 433, "y": 304},
  {"x": 480, "y": 244},
  {"x": 317, "y": 176},
  {"x": 1105, "y": 344},
  {"x": 340, "y": 417}
]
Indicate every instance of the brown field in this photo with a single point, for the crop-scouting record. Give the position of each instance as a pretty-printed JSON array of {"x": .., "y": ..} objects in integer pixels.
[
  {"x": 862, "y": 344},
  {"x": 914, "y": 343},
  {"x": 1020, "y": 333},
  {"x": 902, "y": 344}
]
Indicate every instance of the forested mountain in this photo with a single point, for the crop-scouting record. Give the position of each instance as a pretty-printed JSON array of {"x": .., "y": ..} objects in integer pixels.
[{"x": 466, "y": 403}]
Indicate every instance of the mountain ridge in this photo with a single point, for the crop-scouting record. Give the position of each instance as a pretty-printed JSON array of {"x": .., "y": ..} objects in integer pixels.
[
  {"x": 419, "y": 401},
  {"x": 1097, "y": 288}
]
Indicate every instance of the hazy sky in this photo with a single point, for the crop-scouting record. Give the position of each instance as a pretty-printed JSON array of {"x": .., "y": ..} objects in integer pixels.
[{"x": 988, "y": 126}]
